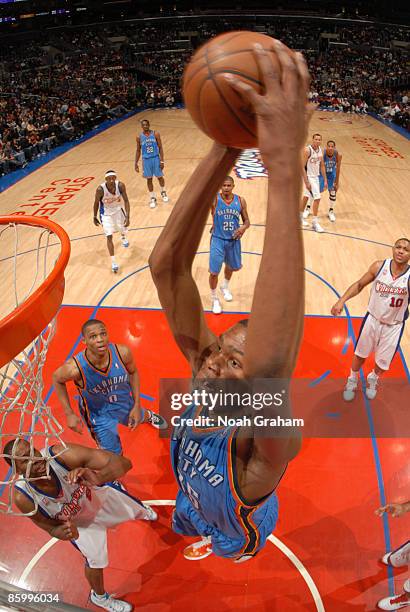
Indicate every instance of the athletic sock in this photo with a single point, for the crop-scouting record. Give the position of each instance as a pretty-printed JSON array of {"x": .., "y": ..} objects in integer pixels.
[
  {"x": 373, "y": 375},
  {"x": 105, "y": 596},
  {"x": 214, "y": 294},
  {"x": 225, "y": 284},
  {"x": 353, "y": 374},
  {"x": 113, "y": 259},
  {"x": 152, "y": 194}
]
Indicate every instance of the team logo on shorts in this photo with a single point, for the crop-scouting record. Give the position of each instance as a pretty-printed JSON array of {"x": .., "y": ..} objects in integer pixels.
[{"x": 249, "y": 165}]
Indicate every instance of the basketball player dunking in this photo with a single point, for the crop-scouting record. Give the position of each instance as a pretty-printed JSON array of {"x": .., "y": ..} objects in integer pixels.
[
  {"x": 149, "y": 144},
  {"x": 227, "y": 209},
  {"x": 333, "y": 162},
  {"x": 383, "y": 325},
  {"x": 110, "y": 200},
  {"x": 313, "y": 166},
  {"x": 227, "y": 476}
]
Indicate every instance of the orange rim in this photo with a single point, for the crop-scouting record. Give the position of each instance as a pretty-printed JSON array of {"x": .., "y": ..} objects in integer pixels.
[{"x": 24, "y": 323}]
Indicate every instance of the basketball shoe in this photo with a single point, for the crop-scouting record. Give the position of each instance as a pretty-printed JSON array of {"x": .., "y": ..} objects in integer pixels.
[
  {"x": 115, "y": 267},
  {"x": 156, "y": 420},
  {"x": 398, "y": 557},
  {"x": 108, "y": 602},
  {"x": 371, "y": 388},
  {"x": 306, "y": 212},
  {"x": 226, "y": 293},
  {"x": 317, "y": 227},
  {"x": 153, "y": 202},
  {"x": 124, "y": 241},
  {"x": 331, "y": 215},
  {"x": 216, "y": 306},
  {"x": 198, "y": 550},
  {"x": 394, "y": 603},
  {"x": 164, "y": 196},
  {"x": 350, "y": 389}
]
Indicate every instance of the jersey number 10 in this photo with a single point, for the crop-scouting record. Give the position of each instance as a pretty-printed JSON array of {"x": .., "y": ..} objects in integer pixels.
[{"x": 396, "y": 302}]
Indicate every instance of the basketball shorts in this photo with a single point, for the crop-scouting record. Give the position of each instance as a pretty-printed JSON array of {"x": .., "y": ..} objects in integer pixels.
[
  {"x": 151, "y": 166},
  {"x": 331, "y": 178},
  {"x": 314, "y": 192},
  {"x": 114, "y": 222},
  {"x": 103, "y": 425},
  {"x": 187, "y": 521},
  {"x": 224, "y": 251},
  {"x": 380, "y": 338},
  {"x": 117, "y": 506}
]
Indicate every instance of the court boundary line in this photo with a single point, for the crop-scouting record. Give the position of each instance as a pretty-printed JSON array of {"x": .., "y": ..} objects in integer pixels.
[{"x": 281, "y": 546}]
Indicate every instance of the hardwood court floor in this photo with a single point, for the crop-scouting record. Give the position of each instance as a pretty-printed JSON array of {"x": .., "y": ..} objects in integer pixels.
[{"x": 330, "y": 493}]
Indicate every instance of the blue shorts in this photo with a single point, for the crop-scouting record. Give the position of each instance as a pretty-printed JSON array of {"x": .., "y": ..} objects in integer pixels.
[
  {"x": 103, "y": 426},
  {"x": 224, "y": 251},
  {"x": 151, "y": 167},
  {"x": 187, "y": 521},
  {"x": 330, "y": 182}
]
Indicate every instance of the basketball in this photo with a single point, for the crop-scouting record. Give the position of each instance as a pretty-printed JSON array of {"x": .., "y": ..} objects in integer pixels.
[{"x": 217, "y": 109}]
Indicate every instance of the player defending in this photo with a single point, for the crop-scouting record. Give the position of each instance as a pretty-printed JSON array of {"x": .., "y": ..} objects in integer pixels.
[
  {"x": 313, "y": 166},
  {"x": 227, "y": 476},
  {"x": 383, "y": 325},
  {"x": 149, "y": 144},
  {"x": 225, "y": 241},
  {"x": 333, "y": 161},
  {"x": 77, "y": 473},
  {"x": 107, "y": 380},
  {"x": 110, "y": 200}
]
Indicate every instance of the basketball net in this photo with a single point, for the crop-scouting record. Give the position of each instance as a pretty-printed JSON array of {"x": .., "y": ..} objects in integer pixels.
[{"x": 34, "y": 251}]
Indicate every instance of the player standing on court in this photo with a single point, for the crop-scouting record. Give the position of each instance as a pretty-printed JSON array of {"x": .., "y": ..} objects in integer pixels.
[
  {"x": 110, "y": 200},
  {"x": 333, "y": 162},
  {"x": 227, "y": 209},
  {"x": 313, "y": 166},
  {"x": 149, "y": 145},
  {"x": 76, "y": 504},
  {"x": 107, "y": 380},
  {"x": 227, "y": 475},
  {"x": 383, "y": 325}
]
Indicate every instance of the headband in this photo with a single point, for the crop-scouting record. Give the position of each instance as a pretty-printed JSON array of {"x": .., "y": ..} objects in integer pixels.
[{"x": 110, "y": 173}]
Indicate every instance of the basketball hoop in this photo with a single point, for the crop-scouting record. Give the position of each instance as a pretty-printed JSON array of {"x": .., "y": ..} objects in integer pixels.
[{"x": 35, "y": 278}]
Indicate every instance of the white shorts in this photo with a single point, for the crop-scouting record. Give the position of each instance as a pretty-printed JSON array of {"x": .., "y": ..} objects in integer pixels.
[
  {"x": 114, "y": 222},
  {"x": 314, "y": 194},
  {"x": 117, "y": 507},
  {"x": 380, "y": 338}
]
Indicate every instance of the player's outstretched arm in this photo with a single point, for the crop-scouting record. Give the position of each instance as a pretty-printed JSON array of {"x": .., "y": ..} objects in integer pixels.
[
  {"x": 173, "y": 255},
  {"x": 276, "y": 320},
  {"x": 98, "y": 195},
  {"x": 357, "y": 287},
  {"x": 395, "y": 509},
  {"x": 65, "y": 373},
  {"x": 93, "y": 466}
]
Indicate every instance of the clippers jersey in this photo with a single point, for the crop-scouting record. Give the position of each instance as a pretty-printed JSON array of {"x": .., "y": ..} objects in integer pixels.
[
  {"x": 330, "y": 163},
  {"x": 313, "y": 163},
  {"x": 104, "y": 391},
  {"x": 149, "y": 145},
  {"x": 111, "y": 203},
  {"x": 202, "y": 460},
  {"x": 75, "y": 502},
  {"x": 389, "y": 296},
  {"x": 227, "y": 217}
]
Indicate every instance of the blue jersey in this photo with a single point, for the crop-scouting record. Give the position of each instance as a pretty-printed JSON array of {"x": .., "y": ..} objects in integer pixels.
[
  {"x": 204, "y": 464},
  {"x": 149, "y": 145},
  {"x": 330, "y": 164},
  {"x": 103, "y": 391},
  {"x": 226, "y": 217}
]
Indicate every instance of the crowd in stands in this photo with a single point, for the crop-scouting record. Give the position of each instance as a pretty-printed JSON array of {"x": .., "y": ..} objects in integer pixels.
[{"x": 58, "y": 88}]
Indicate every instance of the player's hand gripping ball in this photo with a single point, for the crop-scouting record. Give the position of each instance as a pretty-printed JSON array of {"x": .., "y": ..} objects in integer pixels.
[{"x": 217, "y": 109}]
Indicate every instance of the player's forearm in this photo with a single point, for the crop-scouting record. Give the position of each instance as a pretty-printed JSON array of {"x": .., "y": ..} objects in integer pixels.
[
  {"x": 62, "y": 394},
  {"x": 161, "y": 153},
  {"x": 351, "y": 292},
  {"x": 276, "y": 321},
  {"x": 95, "y": 209},
  {"x": 137, "y": 156},
  {"x": 135, "y": 387},
  {"x": 117, "y": 466},
  {"x": 176, "y": 247}
]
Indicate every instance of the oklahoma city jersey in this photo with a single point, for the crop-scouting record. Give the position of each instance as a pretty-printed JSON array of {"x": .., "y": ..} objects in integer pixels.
[
  {"x": 203, "y": 464},
  {"x": 76, "y": 502},
  {"x": 389, "y": 296},
  {"x": 111, "y": 203},
  {"x": 313, "y": 163},
  {"x": 330, "y": 163},
  {"x": 149, "y": 145},
  {"x": 102, "y": 391},
  {"x": 227, "y": 217}
]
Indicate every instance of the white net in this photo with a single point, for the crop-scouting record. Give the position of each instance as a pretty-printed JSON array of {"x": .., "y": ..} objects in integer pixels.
[{"x": 28, "y": 254}]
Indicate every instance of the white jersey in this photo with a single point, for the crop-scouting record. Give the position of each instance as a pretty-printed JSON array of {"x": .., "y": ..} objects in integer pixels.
[
  {"x": 111, "y": 203},
  {"x": 75, "y": 502},
  {"x": 313, "y": 163},
  {"x": 389, "y": 296}
]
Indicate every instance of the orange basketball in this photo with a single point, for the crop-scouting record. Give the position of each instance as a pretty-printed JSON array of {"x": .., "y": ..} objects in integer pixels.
[{"x": 216, "y": 108}]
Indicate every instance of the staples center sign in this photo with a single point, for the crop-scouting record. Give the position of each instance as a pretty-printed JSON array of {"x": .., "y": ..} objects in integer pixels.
[{"x": 50, "y": 199}]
